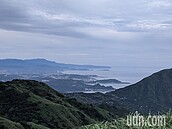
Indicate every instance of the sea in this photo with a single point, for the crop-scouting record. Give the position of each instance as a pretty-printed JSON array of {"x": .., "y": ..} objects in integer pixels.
[{"x": 125, "y": 74}]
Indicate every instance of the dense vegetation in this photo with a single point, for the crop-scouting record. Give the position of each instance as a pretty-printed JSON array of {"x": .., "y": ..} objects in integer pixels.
[
  {"x": 8, "y": 124},
  {"x": 29, "y": 104},
  {"x": 152, "y": 94},
  {"x": 26, "y": 104},
  {"x": 120, "y": 123},
  {"x": 101, "y": 100},
  {"x": 63, "y": 83}
]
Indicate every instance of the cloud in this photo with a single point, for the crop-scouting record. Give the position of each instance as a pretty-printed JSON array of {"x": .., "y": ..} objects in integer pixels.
[
  {"x": 160, "y": 3},
  {"x": 75, "y": 18},
  {"x": 110, "y": 34},
  {"x": 65, "y": 18},
  {"x": 149, "y": 25},
  {"x": 133, "y": 36}
]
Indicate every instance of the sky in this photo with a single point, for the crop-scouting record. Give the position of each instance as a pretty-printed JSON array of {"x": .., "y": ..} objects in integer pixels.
[{"x": 134, "y": 37}]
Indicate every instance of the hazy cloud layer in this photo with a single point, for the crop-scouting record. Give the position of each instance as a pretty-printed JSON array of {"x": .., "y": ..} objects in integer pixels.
[
  {"x": 67, "y": 18},
  {"x": 126, "y": 34}
]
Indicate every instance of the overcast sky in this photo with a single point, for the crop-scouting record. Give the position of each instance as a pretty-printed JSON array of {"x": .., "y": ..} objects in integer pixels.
[{"x": 117, "y": 33}]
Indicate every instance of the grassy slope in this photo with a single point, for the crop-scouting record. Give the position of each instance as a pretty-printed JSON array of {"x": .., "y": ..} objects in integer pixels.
[
  {"x": 7, "y": 124},
  {"x": 152, "y": 94},
  {"x": 107, "y": 102},
  {"x": 122, "y": 124},
  {"x": 29, "y": 101}
]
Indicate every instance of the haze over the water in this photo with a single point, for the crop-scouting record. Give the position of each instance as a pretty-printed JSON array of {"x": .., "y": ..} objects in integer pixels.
[{"x": 132, "y": 36}]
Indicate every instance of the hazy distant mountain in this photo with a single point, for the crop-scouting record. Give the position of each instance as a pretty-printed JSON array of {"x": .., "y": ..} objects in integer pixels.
[
  {"x": 36, "y": 66},
  {"x": 62, "y": 82},
  {"x": 33, "y": 105},
  {"x": 108, "y": 81},
  {"x": 151, "y": 94}
]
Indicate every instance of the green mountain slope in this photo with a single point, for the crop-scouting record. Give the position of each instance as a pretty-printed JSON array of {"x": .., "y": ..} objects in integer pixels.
[
  {"x": 34, "y": 104},
  {"x": 8, "y": 124},
  {"x": 152, "y": 94},
  {"x": 104, "y": 101}
]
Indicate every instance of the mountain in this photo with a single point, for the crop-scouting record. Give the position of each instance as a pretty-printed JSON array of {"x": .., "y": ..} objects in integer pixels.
[
  {"x": 40, "y": 66},
  {"x": 107, "y": 81},
  {"x": 101, "y": 100},
  {"x": 28, "y": 104},
  {"x": 65, "y": 83},
  {"x": 8, "y": 124},
  {"x": 152, "y": 94},
  {"x": 71, "y": 85}
]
